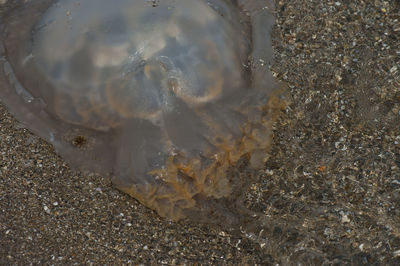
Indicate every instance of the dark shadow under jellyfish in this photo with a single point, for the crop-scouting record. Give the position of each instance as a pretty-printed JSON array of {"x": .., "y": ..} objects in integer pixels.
[{"x": 173, "y": 99}]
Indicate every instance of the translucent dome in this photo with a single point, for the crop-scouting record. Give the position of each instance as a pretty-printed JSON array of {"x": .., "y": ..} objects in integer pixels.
[{"x": 166, "y": 97}]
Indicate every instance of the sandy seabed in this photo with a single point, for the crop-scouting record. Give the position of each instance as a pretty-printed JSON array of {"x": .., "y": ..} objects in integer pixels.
[{"x": 332, "y": 183}]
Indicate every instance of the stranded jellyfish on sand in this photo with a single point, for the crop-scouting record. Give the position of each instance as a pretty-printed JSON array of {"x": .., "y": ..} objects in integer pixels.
[{"x": 173, "y": 98}]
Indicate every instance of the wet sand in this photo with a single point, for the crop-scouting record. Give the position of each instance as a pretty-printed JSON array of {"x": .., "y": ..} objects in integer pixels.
[{"x": 331, "y": 185}]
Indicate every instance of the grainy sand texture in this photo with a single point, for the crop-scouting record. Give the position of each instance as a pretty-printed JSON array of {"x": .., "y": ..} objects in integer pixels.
[{"x": 331, "y": 186}]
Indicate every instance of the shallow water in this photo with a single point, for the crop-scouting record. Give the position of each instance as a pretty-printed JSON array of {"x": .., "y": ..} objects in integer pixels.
[{"x": 172, "y": 99}]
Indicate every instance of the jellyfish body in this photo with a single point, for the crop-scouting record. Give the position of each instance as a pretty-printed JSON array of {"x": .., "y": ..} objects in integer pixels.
[{"x": 164, "y": 96}]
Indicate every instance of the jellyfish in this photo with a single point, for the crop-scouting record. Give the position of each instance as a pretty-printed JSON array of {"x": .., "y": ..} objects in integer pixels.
[{"x": 172, "y": 99}]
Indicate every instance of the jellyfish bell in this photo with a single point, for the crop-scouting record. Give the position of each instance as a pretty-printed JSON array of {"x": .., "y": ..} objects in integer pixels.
[{"x": 168, "y": 97}]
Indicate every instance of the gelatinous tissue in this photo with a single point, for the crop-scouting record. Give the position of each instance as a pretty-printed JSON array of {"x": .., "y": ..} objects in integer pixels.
[{"x": 172, "y": 98}]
